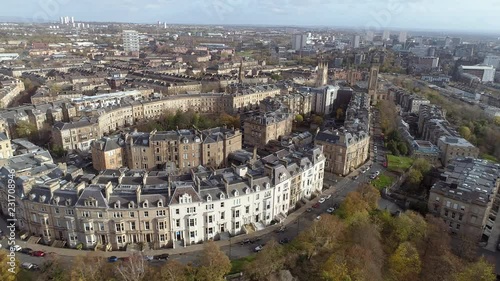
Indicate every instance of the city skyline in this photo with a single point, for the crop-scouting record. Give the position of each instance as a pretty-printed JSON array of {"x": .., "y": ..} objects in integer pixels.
[{"x": 372, "y": 15}]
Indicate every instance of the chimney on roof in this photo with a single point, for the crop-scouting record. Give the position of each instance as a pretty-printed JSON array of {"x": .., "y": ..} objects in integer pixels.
[
  {"x": 138, "y": 192},
  {"x": 254, "y": 156},
  {"x": 226, "y": 185},
  {"x": 108, "y": 190}
]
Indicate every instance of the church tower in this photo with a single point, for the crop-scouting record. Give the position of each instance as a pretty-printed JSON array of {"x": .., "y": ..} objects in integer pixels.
[{"x": 322, "y": 75}]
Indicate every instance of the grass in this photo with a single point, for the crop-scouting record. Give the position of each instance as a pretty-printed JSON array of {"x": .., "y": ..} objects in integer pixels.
[
  {"x": 489, "y": 157},
  {"x": 238, "y": 265},
  {"x": 399, "y": 163},
  {"x": 382, "y": 181}
]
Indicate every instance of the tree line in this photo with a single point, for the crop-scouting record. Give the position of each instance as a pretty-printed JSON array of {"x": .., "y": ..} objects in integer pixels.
[{"x": 173, "y": 120}]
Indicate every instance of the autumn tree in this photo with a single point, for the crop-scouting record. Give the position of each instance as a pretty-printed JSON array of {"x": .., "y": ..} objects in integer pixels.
[
  {"x": 321, "y": 236},
  {"x": 335, "y": 269},
  {"x": 170, "y": 271},
  {"x": 270, "y": 260},
  {"x": 133, "y": 269},
  {"x": 438, "y": 262},
  {"x": 9, "y": 266},
  {"x": 405, "y": 263},
  {"x": 339, "y": 114},
  {"x": 370, "y": 195},
  {"x": 54, "y": 270},
  {"x": 318, "y": 120},
  {"x": 358, "y": 202},
  {"x": 213, "y": 264},
  {"x": 478, "y": 271},
  {"x": 100, "y": 269}
]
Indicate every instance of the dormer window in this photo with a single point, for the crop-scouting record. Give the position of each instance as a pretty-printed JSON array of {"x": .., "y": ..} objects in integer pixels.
[
  {"x": 209, "y": 198},
  {"x": 145, "y": 204},
  {"x": 267, "y": 185},
  {"x": 247, "y": 190},
  {"x": 68, "y": 202},
  {"x": 160, "y": 203},
  {"x": 222, "y": 196},
  {"x": 256, "y": 188},
  {"x": 130, "y": 205},
  {"x": 117, "y": 204},
  {"x": 236, "y": 193}
]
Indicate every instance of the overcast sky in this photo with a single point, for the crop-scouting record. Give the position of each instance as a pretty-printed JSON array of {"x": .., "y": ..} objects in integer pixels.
[{"x": 479, "y": 15}]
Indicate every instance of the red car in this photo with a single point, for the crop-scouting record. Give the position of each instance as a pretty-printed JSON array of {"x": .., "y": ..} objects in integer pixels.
[
  {"x": 316, "y": 205},
  {"x": 38, "y": 254}
]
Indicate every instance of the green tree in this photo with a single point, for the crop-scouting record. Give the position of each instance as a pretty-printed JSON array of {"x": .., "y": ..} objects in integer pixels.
[
  {"x": 299, "y": 118},
  {"x": 465, "y": 132},
  {"x": 415, "y": 177},
  {"x": 422, "y": 165},
  {"x": 478, "y": 271},
  {"x": 405, "y": 263},
  {"x": 213, "y": 264},
  {"x": 402, "y": 148},
  {"x": 496, "y": 120},
  {"x": 25, "y": 129}
]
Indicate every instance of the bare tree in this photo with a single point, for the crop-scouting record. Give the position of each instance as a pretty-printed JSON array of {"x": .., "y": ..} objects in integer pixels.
[{"x": 133, "y": 269}]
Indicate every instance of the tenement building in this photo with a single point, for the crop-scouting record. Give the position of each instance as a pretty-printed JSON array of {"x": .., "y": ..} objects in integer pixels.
[
  {"x": 270, "y": 123},
  {"x": 347, "y": 148},
  {"x": 466, "y": 197},
  {"x": 117, "y": 209},
  {"x": 454, "y": 147},
  {"x": 176, "y": 150}
]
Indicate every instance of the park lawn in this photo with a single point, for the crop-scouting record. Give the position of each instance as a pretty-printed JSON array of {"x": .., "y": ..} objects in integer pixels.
[
  {"x": 239, "y": 264},
  {"x": 383, "y": 181},
  {"x": 399, "y": 163}
]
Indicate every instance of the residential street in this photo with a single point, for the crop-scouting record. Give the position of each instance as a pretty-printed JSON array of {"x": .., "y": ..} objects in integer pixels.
[{"x": 337, "y": 187}]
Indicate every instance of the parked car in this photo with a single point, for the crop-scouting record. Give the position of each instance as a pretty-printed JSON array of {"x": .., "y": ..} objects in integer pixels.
[
  {"x": 373, "y": 177},
  {"x": 148, "y": 258},
  {"x": 377, "y": 173},
  {"x": 322, "y": 200},
  {"x": 355, "y": 177},
  {"x": 35, "y": 267},
  {"x": 113, "y": 259},
  {"x": 162, "y": 257},
  {"x": 16, "y": 248},
  {"x": 38, "y": 254},
  {"x": 246, "y": 241},
  {"x": 364, "y": 170},
  {"x": 284, "y": 241},
  {"x": 330, "y": 210},
  {"x": 281, "y": 229},
  {"x": 316, "y": 205},
  {"x": 27, "y": 251},
  {"x": 258, "y": 248},
  {"x": 328, "y": 197},
  {"x": 309, "y": 210},
  {"x": 318, "y": 218},
  {"x": 27, "y": 265}
]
